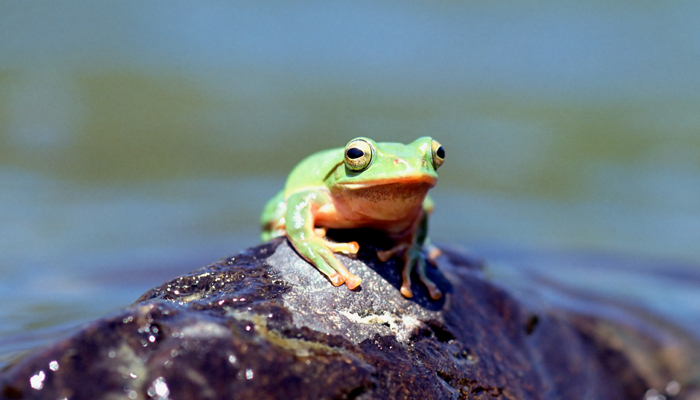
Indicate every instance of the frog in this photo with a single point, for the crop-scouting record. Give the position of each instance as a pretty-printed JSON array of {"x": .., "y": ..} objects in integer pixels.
[{"x": 381, "y": 186}]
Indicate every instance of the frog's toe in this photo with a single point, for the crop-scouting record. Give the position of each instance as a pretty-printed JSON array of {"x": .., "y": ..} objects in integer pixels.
[
  {"x": 406, "y": 290},
  {"x": 353, "y": 247},
  {"x": 345, "y": 248},
  {"x": 337, "y": 279},
  {"x": 353, "y": 281},
  {"x": 435, "y": 293}
]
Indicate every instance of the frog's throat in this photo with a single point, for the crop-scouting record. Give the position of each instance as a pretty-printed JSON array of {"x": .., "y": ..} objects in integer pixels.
[{"x": 376, "y": 205}]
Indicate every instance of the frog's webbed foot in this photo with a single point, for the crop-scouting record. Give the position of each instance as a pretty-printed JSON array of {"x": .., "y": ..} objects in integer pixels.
[{"x": 412, "y": 255}]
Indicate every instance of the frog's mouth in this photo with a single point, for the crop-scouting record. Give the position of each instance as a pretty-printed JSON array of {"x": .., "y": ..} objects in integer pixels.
[
  {"x": 399, "y": 193},
  {"x": 415, "y": 182}
]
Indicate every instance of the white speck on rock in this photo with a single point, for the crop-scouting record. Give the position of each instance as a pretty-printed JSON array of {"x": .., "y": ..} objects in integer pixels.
[{"x": 37, "y": 381}]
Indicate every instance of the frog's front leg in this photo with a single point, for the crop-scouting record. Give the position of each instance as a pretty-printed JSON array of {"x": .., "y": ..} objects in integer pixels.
[
  {"x": 311, "y": 245},
  {"x": 413, "y": 256}
]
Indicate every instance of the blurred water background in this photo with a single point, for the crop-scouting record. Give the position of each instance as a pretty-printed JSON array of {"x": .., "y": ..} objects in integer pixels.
[{"x": 140, "y": 140}]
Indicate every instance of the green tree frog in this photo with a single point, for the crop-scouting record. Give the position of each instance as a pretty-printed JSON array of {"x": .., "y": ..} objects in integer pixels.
[{"x": 367, "y": 184}]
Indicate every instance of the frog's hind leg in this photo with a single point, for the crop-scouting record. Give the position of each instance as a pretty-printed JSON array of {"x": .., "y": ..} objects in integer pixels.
[
  {"x": 272, "y": 219},
  {"x": 273, "y": 232}
]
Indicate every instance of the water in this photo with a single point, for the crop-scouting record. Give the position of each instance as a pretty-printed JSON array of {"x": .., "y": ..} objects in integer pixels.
[{"x": 140, "y": 141}]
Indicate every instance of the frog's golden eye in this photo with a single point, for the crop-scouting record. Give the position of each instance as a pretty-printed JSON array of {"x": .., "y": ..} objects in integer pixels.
[
  {"x": 358, "y": 155},
  {"x": 438, "y": 154}
]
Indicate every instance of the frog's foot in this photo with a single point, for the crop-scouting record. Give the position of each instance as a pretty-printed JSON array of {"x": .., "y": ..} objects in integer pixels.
[
  {"x": 352, "y": 281},
  {"x": 406, "y": 285},
  {"x": 318, "y": 253},
  {"x": 412, "y": 257},
  {"x": 435, "y": 293}
]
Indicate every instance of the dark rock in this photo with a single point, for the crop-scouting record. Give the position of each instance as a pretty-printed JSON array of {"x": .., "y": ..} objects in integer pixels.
[{"x": 265, "y": 324}]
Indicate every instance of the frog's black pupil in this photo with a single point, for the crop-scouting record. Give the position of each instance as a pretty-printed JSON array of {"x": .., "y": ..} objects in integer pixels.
[
  {"x": 440, "y": 152},
  {"x": 354, "y": 153}
]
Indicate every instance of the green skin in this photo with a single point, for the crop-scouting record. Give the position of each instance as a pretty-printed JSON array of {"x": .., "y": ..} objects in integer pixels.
[{"x": 389, "y": 195}]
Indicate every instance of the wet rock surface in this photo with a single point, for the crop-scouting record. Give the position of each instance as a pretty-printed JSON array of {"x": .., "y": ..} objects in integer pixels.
[{"x": 265, "y": 324}]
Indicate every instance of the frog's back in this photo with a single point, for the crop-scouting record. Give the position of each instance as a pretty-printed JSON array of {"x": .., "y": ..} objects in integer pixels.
[{"x": 312, "y": 170}]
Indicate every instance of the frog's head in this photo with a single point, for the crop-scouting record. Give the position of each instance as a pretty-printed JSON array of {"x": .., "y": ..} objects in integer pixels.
[{"x": 387, "y": 179}]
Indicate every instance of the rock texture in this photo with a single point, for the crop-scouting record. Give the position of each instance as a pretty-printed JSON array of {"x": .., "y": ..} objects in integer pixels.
[{"x": 264, "y": 324}]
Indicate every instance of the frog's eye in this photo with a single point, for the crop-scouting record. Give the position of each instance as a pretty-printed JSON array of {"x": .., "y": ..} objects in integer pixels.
[
  {"x": 438, "y": 154},
  {"x": 358, "y": 155}
]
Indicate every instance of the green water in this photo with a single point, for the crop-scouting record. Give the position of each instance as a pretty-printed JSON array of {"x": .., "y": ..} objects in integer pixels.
[{"x": 140, "y": 140}]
